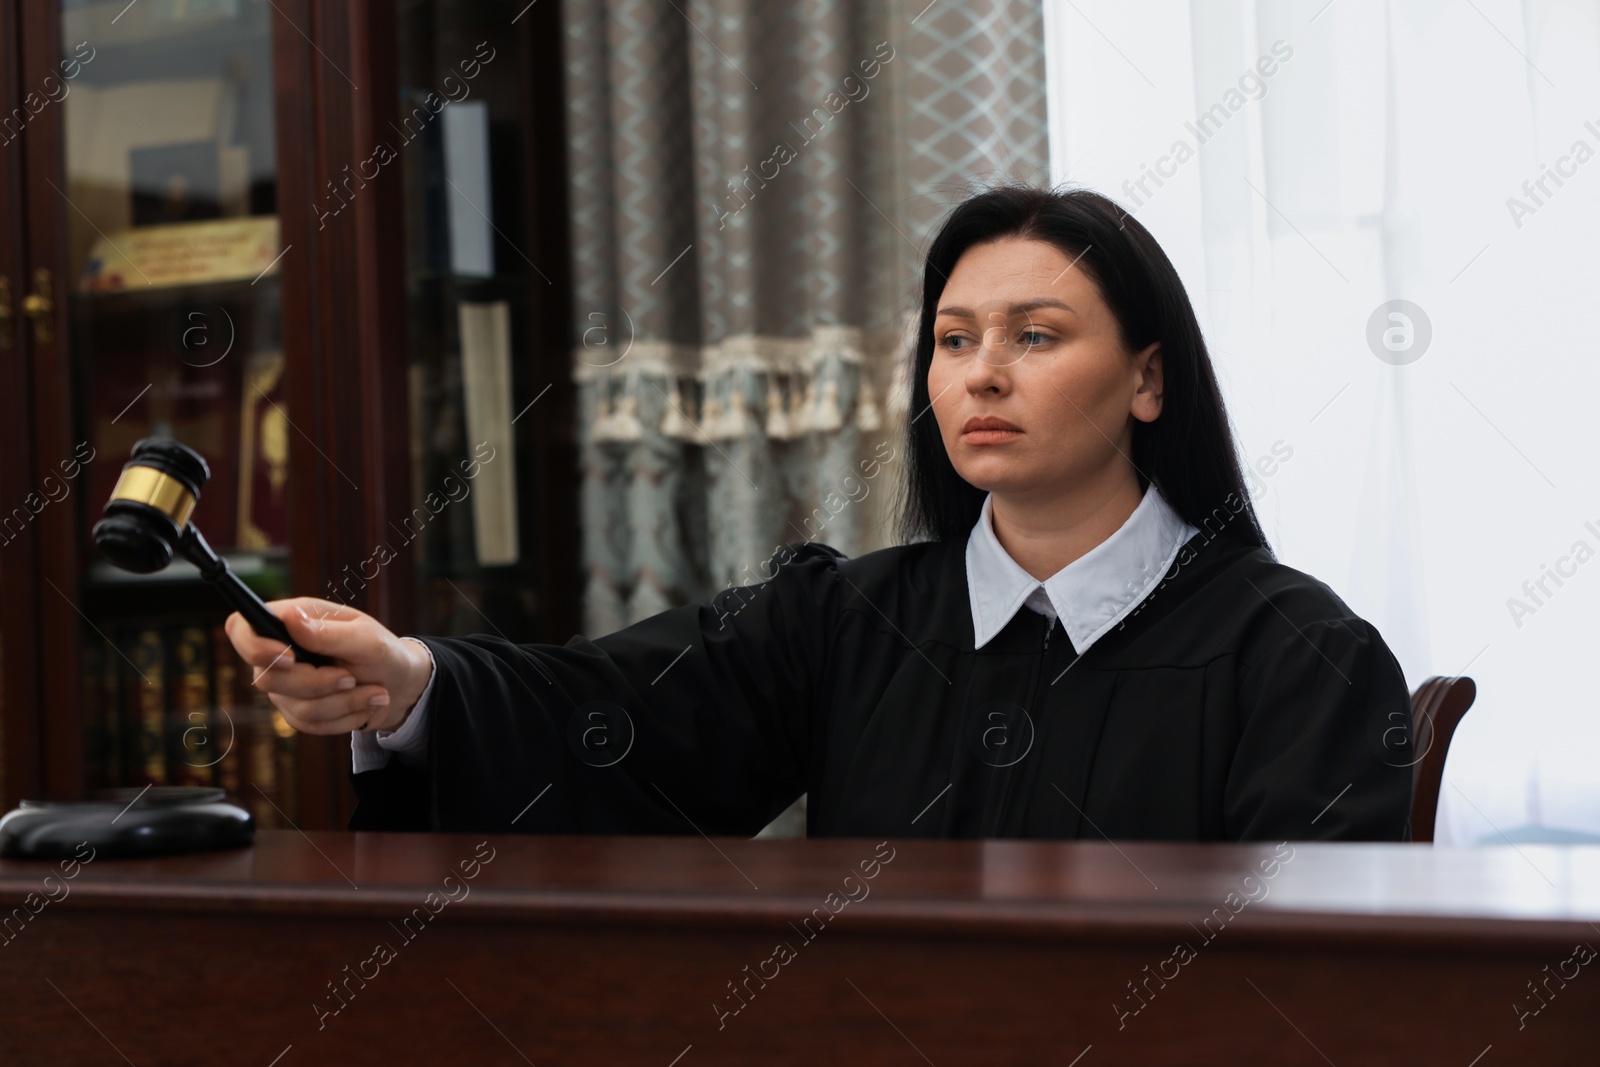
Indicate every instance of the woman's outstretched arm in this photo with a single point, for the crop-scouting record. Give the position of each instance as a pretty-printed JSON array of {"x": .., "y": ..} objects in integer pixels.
[{"x": 700, "y": 718}]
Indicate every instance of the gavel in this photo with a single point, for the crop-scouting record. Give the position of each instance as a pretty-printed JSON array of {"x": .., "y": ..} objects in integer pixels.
[{"x": 146, "y": 522}]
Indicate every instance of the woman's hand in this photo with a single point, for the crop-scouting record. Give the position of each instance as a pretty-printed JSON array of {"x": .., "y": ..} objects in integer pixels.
[{"x": 373, "y": 685}]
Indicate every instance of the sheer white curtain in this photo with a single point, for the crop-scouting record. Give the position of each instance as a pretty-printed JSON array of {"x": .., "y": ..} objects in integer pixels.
[{"x": 1433, "y": 461}]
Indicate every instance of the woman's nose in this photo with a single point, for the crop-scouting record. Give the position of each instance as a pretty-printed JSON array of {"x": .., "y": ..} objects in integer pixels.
[{"x": 988, "y": 372}]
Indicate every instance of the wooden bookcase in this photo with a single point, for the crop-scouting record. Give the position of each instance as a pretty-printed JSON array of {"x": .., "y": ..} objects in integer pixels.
[{"x": 345, "y": 293}]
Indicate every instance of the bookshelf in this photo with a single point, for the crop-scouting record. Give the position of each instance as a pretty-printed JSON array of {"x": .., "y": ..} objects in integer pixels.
[{"x": 171, "y": 261}]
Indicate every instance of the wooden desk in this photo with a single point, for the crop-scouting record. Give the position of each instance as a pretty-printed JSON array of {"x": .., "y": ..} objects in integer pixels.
[{"x": 615, "y": 950}]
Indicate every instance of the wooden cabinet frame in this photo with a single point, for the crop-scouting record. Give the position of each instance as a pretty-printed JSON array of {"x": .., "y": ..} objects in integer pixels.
[{"x": 344, "y": 328}]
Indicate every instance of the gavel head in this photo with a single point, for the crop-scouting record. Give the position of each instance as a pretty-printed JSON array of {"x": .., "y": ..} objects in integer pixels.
[{"x": 151, "y": 504}]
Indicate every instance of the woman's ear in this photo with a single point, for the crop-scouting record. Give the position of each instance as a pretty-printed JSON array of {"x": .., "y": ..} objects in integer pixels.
[{"x": 1146, "y": 406}]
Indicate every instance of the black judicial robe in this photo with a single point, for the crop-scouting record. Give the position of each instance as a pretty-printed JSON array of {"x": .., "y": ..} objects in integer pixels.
[{"x": 1241, "y": 700}]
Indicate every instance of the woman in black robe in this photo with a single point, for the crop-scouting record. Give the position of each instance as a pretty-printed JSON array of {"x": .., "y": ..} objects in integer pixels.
[{"x": 1084, "y": 634}]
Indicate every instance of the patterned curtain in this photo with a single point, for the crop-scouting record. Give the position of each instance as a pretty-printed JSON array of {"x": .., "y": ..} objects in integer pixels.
[{"x": 752, "y": 185}]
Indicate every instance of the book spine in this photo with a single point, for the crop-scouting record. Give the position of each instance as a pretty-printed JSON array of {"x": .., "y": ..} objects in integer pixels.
[
  {"x": 150, "y": 700},
  {"x": 225, "y": 715},
  {"x": 262, "y": 760},
  {"x": 191, "y": 737},
  {"x": 111, "y": 674},
  {"x": 128, "y": 684},
  {"x": 284, "y": 746},
  {"x": 96, "y": 741}
]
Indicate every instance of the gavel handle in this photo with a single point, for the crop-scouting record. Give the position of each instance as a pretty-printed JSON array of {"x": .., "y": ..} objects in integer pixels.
[
  {"x": 262, "y": 620},
  {"x": 215, "y": 569}
]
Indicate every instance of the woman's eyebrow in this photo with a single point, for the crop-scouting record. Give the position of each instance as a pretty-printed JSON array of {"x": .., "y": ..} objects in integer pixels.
[
  {"x": 1041, "y": 302},
  {"x": 1015, "y": 309}
]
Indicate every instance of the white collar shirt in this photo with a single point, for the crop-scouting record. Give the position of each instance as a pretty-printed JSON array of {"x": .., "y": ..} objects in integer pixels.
[{"x": 1091, "y": 594}]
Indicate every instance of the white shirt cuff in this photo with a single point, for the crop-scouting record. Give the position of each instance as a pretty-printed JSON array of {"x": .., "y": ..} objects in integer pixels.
[{"x": 370, "y": 751}]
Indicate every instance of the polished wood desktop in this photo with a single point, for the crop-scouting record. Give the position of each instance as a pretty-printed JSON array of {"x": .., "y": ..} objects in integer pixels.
[{"x": 404, "y": 948}]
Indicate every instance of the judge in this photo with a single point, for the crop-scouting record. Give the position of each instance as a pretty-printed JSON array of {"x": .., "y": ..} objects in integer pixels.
[{"x": 1084, "y": 634}]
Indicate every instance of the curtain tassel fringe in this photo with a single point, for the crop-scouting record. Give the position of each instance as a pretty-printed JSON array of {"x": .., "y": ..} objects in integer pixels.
[
  {"x": 674, "y": 424},
  {"x": 867, "y": 417},
  {"x": 826, "y": 417}
]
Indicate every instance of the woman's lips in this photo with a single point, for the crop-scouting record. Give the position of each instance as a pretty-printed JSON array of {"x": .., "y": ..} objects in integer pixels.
[{"x": 989, "y": 430}]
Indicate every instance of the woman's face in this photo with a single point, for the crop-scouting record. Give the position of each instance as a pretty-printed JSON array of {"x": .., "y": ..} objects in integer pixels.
[{"x": 1023, "y": 340}]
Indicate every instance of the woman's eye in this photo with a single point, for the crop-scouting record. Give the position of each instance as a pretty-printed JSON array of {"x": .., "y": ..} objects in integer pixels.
[
  {"x": 954, "y": 342},
  {"x": 1033, "y": 338}
]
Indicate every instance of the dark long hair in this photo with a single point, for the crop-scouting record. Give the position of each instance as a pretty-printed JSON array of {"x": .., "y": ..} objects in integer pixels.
[{"x": 1188, "y": 451}]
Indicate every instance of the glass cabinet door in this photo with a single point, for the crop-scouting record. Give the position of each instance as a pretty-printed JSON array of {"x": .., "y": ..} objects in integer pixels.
[
  {"x": 174, "y": 306},
  {"x": 492, "y": 520}
]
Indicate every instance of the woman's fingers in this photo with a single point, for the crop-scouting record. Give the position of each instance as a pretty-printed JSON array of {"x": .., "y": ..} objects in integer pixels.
[
  {"x": 301, "y": 680},
  {"x": 336, "y": 714},
  {"x": 315, "y": 608},
  {"x": 254, "y": 649},
  {"x": 335, "y": 630},
  {"x": 343, "y": 726},
  {"x": 323, "y": 700},
  {"x": 332, "y": 629},
  {"x": 275, "y": 670}
]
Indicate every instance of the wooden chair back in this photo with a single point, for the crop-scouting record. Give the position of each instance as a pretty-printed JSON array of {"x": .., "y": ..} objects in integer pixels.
[{"x": 1436, "y": 709}]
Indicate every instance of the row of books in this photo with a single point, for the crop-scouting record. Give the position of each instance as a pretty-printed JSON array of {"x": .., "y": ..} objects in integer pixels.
[{"x": 171, "y": 703}]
